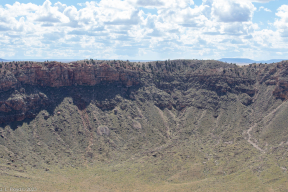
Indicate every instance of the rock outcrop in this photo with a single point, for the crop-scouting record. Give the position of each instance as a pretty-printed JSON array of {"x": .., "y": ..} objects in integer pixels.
[
  {"x": 53, "y": 74},
  {"x": 170, "y": 77},
  {"x": 20, "y": 106},
  {"x": 56, "y": 74}
]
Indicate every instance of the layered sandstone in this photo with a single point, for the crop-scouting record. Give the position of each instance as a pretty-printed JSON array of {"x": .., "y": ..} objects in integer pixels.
[
  {"x": 16, "y": 105},
  {"x": 56, "y": 74},
  {"x": 218, "y": 77}
]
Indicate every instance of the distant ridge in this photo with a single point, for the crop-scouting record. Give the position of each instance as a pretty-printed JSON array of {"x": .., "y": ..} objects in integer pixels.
[
  {"x": 248, "y": 61},
  {"x": 3, "y": 59},
  {"x": 273, "y": 60},
  {"x": 237, "y": 60}
]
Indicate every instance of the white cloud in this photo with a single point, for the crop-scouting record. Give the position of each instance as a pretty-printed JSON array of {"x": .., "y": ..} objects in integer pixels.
[
  {"x": 6, "y": 53},
  {"x": 265, "y": 9},
  {"x": 20, "y": 9},
  {"x": 122, "y": 29},
  {"x": 260, "y": 1},
  {"x": 232, "y": 10},
  {"x": 126, "y": 19},
  {"x": 282, "y": 23},
  {"x": 61, "y": 7},
  {"x": 162, "y": 4},
  {"x": 49, "y": 14}
]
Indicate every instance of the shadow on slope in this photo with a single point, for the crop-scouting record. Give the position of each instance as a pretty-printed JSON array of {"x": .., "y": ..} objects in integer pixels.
[{"x": 39, "y": 98}]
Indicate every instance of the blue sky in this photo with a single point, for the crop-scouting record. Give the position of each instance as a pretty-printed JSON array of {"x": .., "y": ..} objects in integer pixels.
[{"x": 144, "y": 29}]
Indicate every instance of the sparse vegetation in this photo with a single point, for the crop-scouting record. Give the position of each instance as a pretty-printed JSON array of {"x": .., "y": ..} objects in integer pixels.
[{"x": 190, "y": 125}]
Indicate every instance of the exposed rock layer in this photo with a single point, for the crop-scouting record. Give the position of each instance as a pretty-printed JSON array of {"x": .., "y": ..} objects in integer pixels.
[
  {"x": 56, "y": 74},
  {"x": 16, "y": 104}
]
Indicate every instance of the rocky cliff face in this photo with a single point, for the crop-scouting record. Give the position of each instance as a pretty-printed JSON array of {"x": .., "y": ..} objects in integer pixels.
[
  {"x": 16, "y": 105},
  {"x": 221, "y": 78},
  {"x": 56, "y": 74}
]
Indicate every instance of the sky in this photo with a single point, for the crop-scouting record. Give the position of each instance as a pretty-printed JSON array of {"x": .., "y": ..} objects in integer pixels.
[{"x": 144, "y": 29}]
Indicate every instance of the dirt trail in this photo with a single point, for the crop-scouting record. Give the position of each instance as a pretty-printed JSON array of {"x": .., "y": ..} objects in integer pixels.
[
  {"x": 251, "y": 142},
  {"x": 251, "y": 128}
]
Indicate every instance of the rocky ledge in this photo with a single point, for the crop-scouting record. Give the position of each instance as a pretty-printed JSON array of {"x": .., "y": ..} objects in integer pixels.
[
  {"x": 16, "y": 103},
  {"x": 55, "y": 74},
  {"x": 173, "y": 79}
]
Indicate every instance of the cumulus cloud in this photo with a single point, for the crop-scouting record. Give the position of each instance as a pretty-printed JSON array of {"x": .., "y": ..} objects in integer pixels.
[
  {"x": 260, "y": 1},
  {"x": 162, "y": 4},
  {"x": 282, "y": 23},
  {"x": 47, "y": 13},
  {"x": 232, "y": 10},
  {"x": 4, "y": 28},
  {"x": 53, "y": 36},
  {"x": 265, "y": 9},
  {"x": 122, "y": 28},
  {"x": 61, "y": 7},
  {"x": 132, "y": 19},
  {"x": 150, "y": 3}
]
